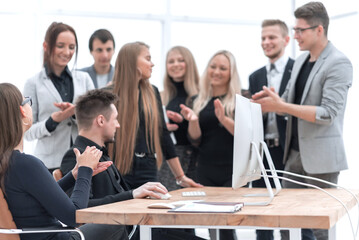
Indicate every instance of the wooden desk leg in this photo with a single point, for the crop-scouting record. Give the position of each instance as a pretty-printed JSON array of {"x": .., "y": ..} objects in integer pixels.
[
  {"x": 295, "y": 234},
  {"x": 145, "y": 232}
]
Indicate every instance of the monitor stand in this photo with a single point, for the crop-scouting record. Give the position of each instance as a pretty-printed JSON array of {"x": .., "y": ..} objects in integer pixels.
[{"x": 278, "y": 187}]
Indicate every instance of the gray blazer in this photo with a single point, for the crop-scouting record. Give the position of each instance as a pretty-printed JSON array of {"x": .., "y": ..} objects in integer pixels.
[
  {"x": 51, "y": 147},
  {"x": 321, "y": 143},
  {"x": 92, "y": 72}
]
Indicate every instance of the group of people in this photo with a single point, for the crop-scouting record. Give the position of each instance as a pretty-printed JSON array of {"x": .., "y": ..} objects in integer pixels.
[{"x": 104, "y": 126}]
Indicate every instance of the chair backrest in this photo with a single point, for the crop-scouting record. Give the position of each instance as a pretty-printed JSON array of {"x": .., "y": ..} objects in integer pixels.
[
  {"x": 6, "y": 220},
  {"x": 57, "y": 174}
]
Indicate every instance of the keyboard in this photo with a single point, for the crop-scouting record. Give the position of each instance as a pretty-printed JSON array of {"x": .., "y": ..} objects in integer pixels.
[{"x": 194, "y": 194}]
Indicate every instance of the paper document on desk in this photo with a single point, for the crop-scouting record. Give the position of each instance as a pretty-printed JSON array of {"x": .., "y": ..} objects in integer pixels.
[{"x": 210, "y": 207}]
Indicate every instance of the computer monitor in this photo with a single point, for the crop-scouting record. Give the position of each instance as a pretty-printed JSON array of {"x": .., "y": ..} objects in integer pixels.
[
  {"x": 248, "y": 150},
  {"x": 248, "y": 129}
]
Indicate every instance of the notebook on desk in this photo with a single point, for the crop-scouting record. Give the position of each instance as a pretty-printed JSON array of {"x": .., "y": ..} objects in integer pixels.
[{"x": 210, "y": 207}]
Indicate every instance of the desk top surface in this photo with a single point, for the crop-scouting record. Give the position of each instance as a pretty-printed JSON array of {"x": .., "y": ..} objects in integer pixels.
[{"x": 291, "y": 208}]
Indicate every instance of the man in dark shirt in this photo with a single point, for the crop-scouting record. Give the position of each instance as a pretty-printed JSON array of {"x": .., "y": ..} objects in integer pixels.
[
  {"x": 314, "y": 101},
  {"x": 96, "y": 115}
]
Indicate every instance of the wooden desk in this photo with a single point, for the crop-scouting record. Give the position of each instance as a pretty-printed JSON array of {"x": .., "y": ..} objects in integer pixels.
[{"x": 291, "y": 209}]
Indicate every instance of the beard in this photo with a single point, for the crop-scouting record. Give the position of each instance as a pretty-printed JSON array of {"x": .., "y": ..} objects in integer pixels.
[{"x": 110, "y": 140}]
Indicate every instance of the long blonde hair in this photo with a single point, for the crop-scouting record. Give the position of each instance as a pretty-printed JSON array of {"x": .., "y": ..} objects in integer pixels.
[
  {"x": 191, "y": 76},
  {"x": 127, "y": 87},
  {"x": 206, "y": 92}
]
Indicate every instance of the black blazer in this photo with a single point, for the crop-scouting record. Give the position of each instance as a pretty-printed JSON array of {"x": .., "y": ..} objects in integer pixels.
[
  {"x": 258, "y": 79},
  {"x": 104, "y": 186}
]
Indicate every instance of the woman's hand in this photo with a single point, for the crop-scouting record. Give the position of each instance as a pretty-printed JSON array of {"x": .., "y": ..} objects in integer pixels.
[
  {"x": 89, "y": 158},
  {"x": 66, "y": 110},
  {"x": 175, "y": 117},
  {"x": 188, "y": 182},
  {"x": 101, "y": 166},
  {"x": 188, "y": 113},
  {"x": 219, "y": 110}
]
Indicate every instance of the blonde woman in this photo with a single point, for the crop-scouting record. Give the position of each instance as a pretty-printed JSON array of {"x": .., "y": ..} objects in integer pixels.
[
  {"x": 143, "y": 138},
  {"x": 180, "y": 84},
  {"x": 211, "y": 123}
]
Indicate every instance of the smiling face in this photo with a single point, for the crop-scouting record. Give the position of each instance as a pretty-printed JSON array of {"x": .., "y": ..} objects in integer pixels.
[
  {"x": 64, "y": 50},
  {"x": 308, "y": 38},
  {"x": 219, "y": 71},
  {"x": 144, "y": 64},
  {"x": 273, "y": 42},
  {"x": 176, "y": 66}
]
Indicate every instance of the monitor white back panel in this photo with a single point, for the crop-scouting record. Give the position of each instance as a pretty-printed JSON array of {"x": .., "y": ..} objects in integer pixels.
[{"x": 248, "y": 128}]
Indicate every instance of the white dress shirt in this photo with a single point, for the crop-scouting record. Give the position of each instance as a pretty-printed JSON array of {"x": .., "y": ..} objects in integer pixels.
[{"x": 274, "y": 78}]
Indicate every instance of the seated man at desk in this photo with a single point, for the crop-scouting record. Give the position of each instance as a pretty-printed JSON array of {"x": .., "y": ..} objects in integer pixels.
[{"x": 96, "y": 116}]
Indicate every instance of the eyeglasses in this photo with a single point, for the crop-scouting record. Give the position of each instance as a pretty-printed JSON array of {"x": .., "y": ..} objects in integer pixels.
[
  {"x": 299, "y": 31},
  {"x": 27, "y": 100}
]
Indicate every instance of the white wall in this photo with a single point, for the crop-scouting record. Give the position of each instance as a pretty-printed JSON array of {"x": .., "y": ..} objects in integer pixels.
[{"x": 204, "y": 26}]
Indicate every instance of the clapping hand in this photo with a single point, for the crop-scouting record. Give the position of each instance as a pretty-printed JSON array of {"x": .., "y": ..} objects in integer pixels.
[
  {"x": 66, "y": 110},
  {"x": 89, "y": 158},
  {"x": 268, "y": 99},
  {"x": 188, "y": 113}
]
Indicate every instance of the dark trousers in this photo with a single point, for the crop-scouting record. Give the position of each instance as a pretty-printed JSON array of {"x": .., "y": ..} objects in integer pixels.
[
  {"x": 101, "y": 231},
  {"x": 277, "y": 158},
  {"x": 144, "y": 169},
  {"x": 294, "y": 165},
  {"x": 217, "y": 176},
  {"x": 187, "y": 155}
]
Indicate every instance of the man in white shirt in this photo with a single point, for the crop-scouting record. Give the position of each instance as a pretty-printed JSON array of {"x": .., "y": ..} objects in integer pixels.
[
  {"x": 275, "y": 74},
  {"x": 102, "y": 48}
]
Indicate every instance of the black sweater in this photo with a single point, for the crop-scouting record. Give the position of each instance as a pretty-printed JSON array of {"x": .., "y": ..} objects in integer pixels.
[
  {"x": 35, "y": 199},
  {"x": 174, "y": 105}
]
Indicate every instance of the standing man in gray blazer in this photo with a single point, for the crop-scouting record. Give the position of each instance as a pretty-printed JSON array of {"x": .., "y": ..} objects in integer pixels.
[
  {"x": 314, "y": 101},
  {"x": 102, "y": 48}
]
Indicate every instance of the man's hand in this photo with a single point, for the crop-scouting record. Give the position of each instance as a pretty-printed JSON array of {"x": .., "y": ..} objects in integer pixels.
[
  {"x": 149, "y": 189},
  {"x": 269, "y": 100},
  {"x": 66, "y": 110}
]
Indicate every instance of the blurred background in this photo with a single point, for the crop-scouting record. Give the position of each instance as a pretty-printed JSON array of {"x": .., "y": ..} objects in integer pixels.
[{"x": 203, "y": 26}]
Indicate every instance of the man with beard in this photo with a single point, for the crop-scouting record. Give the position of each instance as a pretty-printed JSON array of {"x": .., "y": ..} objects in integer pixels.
[
  {"x": 275, "y": 74},
  {"x": 96, "y": 115},
  {"x": 314, "y": 103}
]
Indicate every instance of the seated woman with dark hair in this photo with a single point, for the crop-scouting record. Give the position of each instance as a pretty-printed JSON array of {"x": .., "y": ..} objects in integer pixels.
[{"x": 35, "y": 199}]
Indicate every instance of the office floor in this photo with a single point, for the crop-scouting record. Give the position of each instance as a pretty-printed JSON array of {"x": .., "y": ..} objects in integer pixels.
[{"x": 242, "y": 234}]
